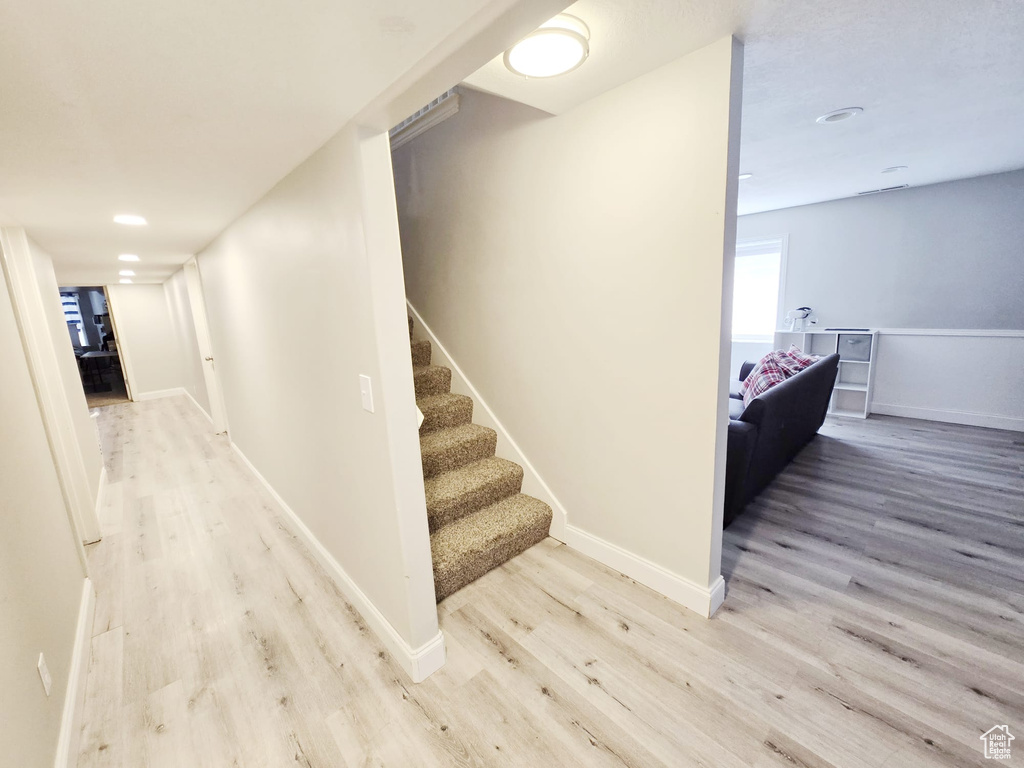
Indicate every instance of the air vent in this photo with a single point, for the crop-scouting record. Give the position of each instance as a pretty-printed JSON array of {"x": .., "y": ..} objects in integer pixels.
[
  {"x": 883, "y": 189},
  {"x": 437, "y": 111}
]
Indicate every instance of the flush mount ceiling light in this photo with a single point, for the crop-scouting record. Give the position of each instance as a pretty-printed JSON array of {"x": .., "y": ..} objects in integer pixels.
[
  {"x": 127, "y": 273},
  {"x": 839, "y": 115},
  {"x": 130, "y": 219},
  {"x": 559, "y": 46},
  {"x": 128, "y": 257},
  {"x": 125, "y": 280},
  {"x": 894, "y": 169},
  {"x": 745, "y": 176}
]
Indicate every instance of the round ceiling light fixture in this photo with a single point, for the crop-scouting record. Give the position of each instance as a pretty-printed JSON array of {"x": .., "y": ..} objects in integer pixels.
[
  {"x": 745, "y": 176},
  {"x": 130, "y": 220},
  {"x": 559, "y": 46},
  {"x": 894, "y": 169},
  {"x": 837, "y": 116},
  {"x": 128, "y": 257}
]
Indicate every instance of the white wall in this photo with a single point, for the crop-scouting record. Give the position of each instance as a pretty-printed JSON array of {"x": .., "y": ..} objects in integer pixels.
[
  {"x": 147, "y": 338},
  {"x": 570, "y": 264},
  {"x": 41, "y": 573},
  {"x": 957, "y": 377},
  {"x": 184, "y": 329},
  {"x": 304, "y": 293},
  {"x": 943, "y": 256}
]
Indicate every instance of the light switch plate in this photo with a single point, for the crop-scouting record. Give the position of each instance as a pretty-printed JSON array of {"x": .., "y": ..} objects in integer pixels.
[
  {"x": 44, "y": 674},
  {"x": 366, "y": 391}
]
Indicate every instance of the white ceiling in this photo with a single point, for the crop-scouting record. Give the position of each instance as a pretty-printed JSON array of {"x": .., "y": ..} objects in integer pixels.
[
  {"x": 187, "y": 111},
  {"x": 183, "y": 111},
  {"x": 941, "y": 83}
]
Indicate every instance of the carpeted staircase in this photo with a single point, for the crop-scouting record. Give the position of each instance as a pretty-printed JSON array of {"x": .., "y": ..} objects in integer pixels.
[{"x": 478, "y": 518}]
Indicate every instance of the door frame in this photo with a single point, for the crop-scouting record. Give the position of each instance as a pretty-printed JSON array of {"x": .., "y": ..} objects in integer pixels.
[
  {"x": 30, "y": 314},
  {"x": 122, "y": 354},
  {"x": 196, "y": 300}
]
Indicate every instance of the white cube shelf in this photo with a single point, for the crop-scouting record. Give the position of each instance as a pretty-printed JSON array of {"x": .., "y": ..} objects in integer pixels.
[{"x": 851, "y": 396}]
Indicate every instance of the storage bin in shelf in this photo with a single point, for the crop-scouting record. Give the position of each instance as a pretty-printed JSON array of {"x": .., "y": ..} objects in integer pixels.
[{"x": 852, "y": 394}]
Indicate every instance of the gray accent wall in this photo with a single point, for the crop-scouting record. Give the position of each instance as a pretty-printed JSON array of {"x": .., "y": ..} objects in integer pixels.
[{"x": 947, "y": 256}]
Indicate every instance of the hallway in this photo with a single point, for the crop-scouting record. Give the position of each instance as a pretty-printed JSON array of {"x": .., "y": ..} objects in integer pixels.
[{"x": 220, "y": 642}]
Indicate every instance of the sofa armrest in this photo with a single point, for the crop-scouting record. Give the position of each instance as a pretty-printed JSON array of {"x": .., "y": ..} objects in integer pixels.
[
  {"x": 745, "y": 370},
  {"x": 739, "y": 451}
]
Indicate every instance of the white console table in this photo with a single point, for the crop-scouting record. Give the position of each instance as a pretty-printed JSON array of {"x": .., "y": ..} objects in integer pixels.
[{"x": 857, "y": 353}]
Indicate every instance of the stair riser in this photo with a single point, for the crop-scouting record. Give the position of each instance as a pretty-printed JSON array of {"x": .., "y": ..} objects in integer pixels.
[
  {"x": 432, "y": 381},
  {"x": 447, "y": 415},
  {"x": 421, "y": 353},
  {"x": 459, "y": 455},
  {"x": 473, "y": 500},
  {"x": 450, "y": 579}
]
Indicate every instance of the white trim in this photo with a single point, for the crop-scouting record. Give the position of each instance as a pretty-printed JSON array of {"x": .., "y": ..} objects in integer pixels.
[
  {"x": 419, "y": 663},
  {"x": 101, "y": 494},
  {"x": 41, "y": 354},
  {"x": 952, "y": 417},
  {"x": 202, "y": 410},
  {"x": 533, "y": 483},
  {"x": 702, "y": 600},
  {"x": 123, "y": 352},
  {"x": 74, "y": 696},
  {"x": 156, "y": 394},
  {"x": 951, "y": 332}
]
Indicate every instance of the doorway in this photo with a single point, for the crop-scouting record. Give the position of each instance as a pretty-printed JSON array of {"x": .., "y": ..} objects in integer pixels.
[{"x": 94, "y": 341}]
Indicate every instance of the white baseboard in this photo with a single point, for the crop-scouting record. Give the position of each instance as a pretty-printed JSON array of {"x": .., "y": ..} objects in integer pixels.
[
  {"x": 950, "y": 417},
  {"x": 702, "y": 600},
  {"x": 156, "y": 394},
  {"x": 419, "y": 663},
  {"x": 101, "y": 499},
  {"x": 200, "y": 408},
  {"x": 74, "y": 697},
  {"x": 533, "y": 484}
]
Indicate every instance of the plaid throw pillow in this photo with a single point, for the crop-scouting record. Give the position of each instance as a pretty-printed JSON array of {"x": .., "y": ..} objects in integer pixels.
[
  {"x": 766, "y": 374},
  {"x": 794, "y": 361}
]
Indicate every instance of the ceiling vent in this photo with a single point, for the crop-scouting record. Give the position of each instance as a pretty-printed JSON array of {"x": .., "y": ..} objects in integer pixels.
[
  {"x": 883, "y": 189},
  {"x": 437, "y": 111}
]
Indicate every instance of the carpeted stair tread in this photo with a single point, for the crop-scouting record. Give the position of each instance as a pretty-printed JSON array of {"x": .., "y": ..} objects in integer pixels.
[
  {"x": 420, "y": 353},
  {"x": 444, "y": 410},
  {"x": 466, "y": 549},
  {"x": 431, "y": 380},
  {"x": 463, "y": 491},
  {"x": 448, "y": 449}
]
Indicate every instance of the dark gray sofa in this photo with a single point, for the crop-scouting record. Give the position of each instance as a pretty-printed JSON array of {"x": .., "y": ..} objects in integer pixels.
[{"x": 766, "y": 435}]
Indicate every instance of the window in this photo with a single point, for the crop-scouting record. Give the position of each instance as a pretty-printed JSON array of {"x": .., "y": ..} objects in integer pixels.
[
  {"x": 756, "y": 289},
  {"x": 73, "y": 315}
]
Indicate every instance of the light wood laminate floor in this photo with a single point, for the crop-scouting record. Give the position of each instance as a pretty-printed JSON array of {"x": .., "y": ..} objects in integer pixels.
[{"x": 873, "y": 618}]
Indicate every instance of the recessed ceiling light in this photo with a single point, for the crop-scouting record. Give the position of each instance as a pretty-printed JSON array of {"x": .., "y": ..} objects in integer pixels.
[
  {"x": 745, "y": 176},
  {"x": 130, "y": 219},
  {"x": 126, "y": 273},
  {"x": 128, "y": 257},
  {"x": 894, "y": 169},
  {"x": 839, "y": 115},
  {"x": 560, "y": 45},
  {"x": 125, "y": 280}
]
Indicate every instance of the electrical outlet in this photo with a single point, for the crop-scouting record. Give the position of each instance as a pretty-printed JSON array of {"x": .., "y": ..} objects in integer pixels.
[
  {"x": 44, "y": 674},
  {"x": 366, "y": 390}
]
